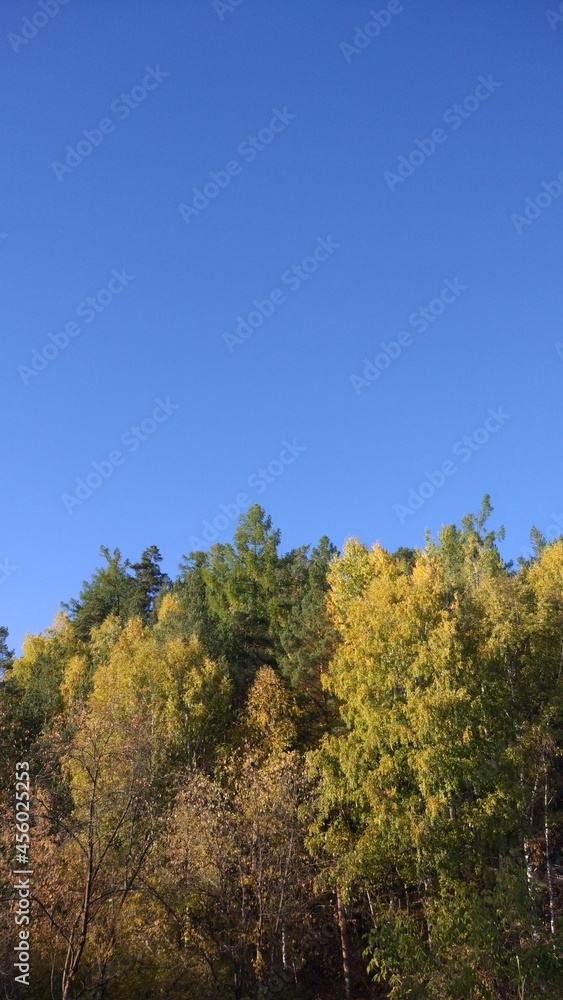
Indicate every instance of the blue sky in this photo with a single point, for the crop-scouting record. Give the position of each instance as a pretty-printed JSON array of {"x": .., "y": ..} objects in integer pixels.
[{"x": 286, "y": 122}]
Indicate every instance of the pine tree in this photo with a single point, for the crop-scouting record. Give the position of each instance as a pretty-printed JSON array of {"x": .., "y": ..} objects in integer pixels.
[
  {"x": 111, "y": 591},
  {"x": 308, "y": 637},
  {"x": 6, "y": 655},
  {"x": 149, "y": 581}
]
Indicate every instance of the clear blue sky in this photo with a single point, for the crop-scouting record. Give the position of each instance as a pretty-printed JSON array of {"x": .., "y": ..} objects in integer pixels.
[{"x": 344, "y": 107}]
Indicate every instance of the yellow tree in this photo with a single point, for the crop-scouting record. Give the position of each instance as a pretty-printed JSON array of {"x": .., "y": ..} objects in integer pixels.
[
  {"x": 156, "y": 704},
  {"x": 447, "y": 678},
  {"x": 183, "y": 695},
  {"x": 94, "y": 847}
]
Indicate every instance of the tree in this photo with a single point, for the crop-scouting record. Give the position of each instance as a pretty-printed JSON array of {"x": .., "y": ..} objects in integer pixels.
[
  {"x": 184, "y": 696},
  {"x": 32, "y": 684},
  {"x": 90, "y": 859},
  {"x": 182, "y": 845},
  {"x": 429, "y": 790},
  {"x": 111, "y": 591},
  {"x": 6, "y": 655},
  {"x": 269, "y": 718},
  {"x": 238, "y": 860},
  {"x": 242, "y": 588},
  {"x": 309, "y": 639},
  {"x": 194, "y": 615},
  {"x": 149, "y": 582}
]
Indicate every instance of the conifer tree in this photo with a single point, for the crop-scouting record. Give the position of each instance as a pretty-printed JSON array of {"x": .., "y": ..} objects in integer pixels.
[
  {"x": 149, "y": 581},
  {"x": 111, "y": 591}
]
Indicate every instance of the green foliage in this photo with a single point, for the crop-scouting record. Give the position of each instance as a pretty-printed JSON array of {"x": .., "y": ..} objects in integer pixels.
[
  {"x": 450, "y": 686},
  {"x": 6, "y": 655},
  {"x": 149, "y": 582},
  {"x": 296, "y": 775},
  {"x": 111, "y": 591},
  {"x": 114, "y": 591}
]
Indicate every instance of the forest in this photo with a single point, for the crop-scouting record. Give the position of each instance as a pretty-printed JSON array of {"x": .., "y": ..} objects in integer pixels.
[{"x": 311, "y": 775}]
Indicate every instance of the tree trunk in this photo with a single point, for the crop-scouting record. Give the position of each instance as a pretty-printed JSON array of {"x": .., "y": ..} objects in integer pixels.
[
  {"x": 345, "y": 945},
  {"x": 547, "y": 856}
]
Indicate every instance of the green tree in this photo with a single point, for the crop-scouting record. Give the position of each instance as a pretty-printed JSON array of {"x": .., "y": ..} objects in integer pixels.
[
  {"x": 308, "y": 637},
  {"x": 149, "y": 582},
  {"x": 450, "y": 697},
  {"x": 195, "y": 616},
  {"x": 111, "y": 591},
  {"x": 242, "y": 588},
  {"x": 6, "y": 655}
]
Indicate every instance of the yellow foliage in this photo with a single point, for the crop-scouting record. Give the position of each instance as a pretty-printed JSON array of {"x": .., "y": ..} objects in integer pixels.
[
  {"x": 183, "y": 693},
  {"x": 169, "y": 606},
  {"x": 270, "y": 713},
  {"x": 103, "y": 637},
  {"x": 75, "y": 678}
]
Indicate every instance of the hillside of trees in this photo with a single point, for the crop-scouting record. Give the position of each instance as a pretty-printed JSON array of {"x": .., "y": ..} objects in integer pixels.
[{"x": 302, "y": 776}]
